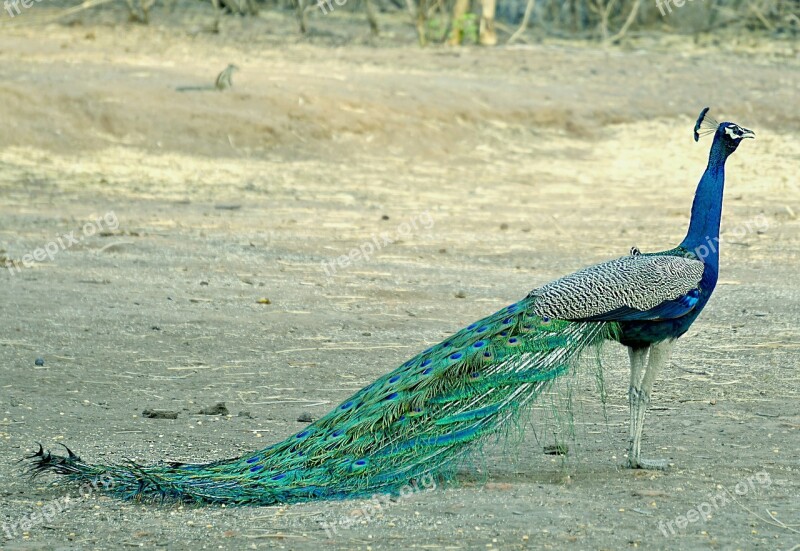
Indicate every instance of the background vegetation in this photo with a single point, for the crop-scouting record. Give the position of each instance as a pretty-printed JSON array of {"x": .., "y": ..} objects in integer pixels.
[{"x": 486, "y": 22}]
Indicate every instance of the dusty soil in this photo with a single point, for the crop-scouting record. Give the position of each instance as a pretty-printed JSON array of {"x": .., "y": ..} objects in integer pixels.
[{"x": 491, "y": 171}]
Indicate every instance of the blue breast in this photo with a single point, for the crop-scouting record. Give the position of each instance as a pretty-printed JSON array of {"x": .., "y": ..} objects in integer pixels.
[{"x": 644, "y": 333}]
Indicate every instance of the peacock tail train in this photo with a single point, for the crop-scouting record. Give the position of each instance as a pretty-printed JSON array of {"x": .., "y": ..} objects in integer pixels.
[{"x": 413, "y": 421}]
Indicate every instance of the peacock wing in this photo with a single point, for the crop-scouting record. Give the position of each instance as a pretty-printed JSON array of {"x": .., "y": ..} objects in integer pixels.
[{"x": 640, "y": 287}]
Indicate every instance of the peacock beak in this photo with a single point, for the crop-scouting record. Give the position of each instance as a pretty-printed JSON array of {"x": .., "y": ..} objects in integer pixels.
[{"x": 748, "y": 133}]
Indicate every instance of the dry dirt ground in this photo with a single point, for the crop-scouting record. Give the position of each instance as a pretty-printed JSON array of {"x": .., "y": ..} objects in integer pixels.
[{"x": 491, "y": 171}]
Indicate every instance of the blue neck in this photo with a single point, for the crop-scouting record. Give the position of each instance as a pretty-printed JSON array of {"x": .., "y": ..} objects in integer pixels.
[{"x": 703, "y": 235}]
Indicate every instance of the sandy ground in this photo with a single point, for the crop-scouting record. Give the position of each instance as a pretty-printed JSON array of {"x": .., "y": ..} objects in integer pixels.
[{"x": 491, "y": 172}]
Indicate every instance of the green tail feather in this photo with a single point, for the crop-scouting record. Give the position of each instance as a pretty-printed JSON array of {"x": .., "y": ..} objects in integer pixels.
[{"x": 410, "y": 422}]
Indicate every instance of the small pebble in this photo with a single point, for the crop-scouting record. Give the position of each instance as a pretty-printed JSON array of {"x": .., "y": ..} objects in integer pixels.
[
  {"x": 558, "y": 449},
  {"x": 461, "y": 294},
  {"x": 217, "y": 409},
  {"x": 39, "y": 361},
  {"x": 159, "y": 414},
  {"x": 305, "y": 418}
]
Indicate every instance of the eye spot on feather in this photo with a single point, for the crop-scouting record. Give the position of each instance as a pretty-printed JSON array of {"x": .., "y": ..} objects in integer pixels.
[
  {"x": 279, "y": 476},
  {"x": 426, "y": 362},
  {"x": 337, "y": 433},
  {"x": 503, "y": 333},
  {"x": 511, "y": 308},
  {"x": 475, "y": 375},
  {"x": 545, "y": 319},
  {"x": 394, "y": 379},
  {"x": 513, "y": 341},
  {"x": 391, "y": 396},
  {"x": 456, "y": 356},
  {"x": 482, "y": 329},
  {"x": 253, "y": 459},
  {"x": 256, "y": 468},
  {"x": 427, "y": 371},
  {"x": 472, "y": 326},
  {"x": 479, "y": 344},
  {"x": 302, "y": 434},
  {"x": 361, "y": 462},
  {"x": 487, "y": 354},
  {"x": 508, "y": 321},
  {"x": 346, "y": 405}
]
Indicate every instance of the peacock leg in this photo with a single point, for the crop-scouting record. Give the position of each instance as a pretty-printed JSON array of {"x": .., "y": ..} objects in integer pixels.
[
  {"x": 642, "y": 380},
  {"x": 638, "y": 357}
]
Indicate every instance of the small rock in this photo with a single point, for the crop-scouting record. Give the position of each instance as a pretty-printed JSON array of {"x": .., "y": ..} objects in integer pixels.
[
  {"x": 159, "y": 414},
  {"x": 443, "y": 251},
  {"x": 155, "y": 328},
  {"x": 385, "y": 217},
  {"x": 245, "y": 414},
  {"x": 461, "y": 294},
  {"x": 305, "y": 418},
  {"x": 503, "y": 226},
  {"x": 217, "y": 409},
  {"x": 39, "y": 361},
  {"x": 558, "y": 449},
  {"x": 263, "y": 301}
]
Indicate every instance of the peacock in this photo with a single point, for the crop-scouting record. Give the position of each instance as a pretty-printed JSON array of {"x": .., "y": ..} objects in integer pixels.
[{"x": 432, "y": 410}]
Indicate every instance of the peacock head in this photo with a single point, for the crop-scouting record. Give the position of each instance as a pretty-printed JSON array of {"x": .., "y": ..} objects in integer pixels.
[{"x": 728, "y": 134}]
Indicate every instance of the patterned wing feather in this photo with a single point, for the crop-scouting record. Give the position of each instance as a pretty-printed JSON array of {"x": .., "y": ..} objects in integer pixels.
[{"x": 624, "y": 288}]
